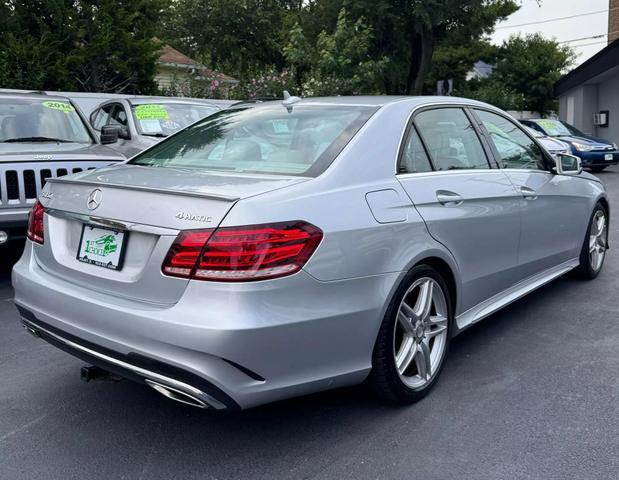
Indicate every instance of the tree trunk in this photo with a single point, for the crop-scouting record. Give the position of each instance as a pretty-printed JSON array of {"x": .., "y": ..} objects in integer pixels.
[{"x": 422, "y": 48}]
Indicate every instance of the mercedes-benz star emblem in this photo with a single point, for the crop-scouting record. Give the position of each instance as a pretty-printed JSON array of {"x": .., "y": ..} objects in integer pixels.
[{"x": 94, "y": 199}]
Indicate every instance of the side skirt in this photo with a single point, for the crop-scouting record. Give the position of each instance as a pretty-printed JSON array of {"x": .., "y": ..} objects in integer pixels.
[{"x": 500, "y": 300}]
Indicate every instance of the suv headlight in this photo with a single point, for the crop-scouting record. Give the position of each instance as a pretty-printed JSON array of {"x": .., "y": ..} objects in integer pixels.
[{"x": 582, "y": 148}]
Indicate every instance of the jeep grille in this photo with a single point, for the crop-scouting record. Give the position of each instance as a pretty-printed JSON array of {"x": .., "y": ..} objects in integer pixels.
[{"x": 20, "y": 184}]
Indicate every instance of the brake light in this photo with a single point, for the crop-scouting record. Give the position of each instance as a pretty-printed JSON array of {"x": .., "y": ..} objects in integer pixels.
[
  {"x": 238, "y": 254},
  {"x": 36, "y": 230}
]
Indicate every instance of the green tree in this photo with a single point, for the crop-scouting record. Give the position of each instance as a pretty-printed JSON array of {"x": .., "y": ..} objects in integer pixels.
[
  {"x": 340, "y": 63},
  {"x": 96, "y": 45},
  {"x": 409, "y": 32},
  {"x": 530, "y": 65},
  {"x": 237, "y": 37}
]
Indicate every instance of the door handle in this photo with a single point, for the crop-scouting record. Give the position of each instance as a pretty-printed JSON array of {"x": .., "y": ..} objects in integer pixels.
[
  {"x": 528, "y": 193},
  {"x": 445, "y": 197}
]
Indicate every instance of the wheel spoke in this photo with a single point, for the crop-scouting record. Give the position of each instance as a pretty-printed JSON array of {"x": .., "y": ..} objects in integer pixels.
[
  {"x": 423, "y": 305},
  {"x": 422, "y": 361},
  {"x": 437, "y": 324},
  {"x": 407, "y": 352},
  {"x": 408, "y": 312},
  {"x": 404, "y": 321},
  {"x": 601, "y": 222}
]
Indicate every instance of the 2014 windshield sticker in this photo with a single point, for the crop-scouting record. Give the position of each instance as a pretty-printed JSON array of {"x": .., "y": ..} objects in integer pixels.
[
  {"x": 151, "y": 112},
  {"x": 62, "y": 106}
]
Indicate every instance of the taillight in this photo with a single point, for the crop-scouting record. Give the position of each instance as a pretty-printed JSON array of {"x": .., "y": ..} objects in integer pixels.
[
  {"x": 35, "y": 224},
  {"x": 237, "y": 254}
]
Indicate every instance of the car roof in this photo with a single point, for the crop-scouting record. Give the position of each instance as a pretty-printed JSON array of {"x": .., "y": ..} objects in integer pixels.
[
  {"x": 34, "y": 95},
  {"x": 380, "y": 100},
  {"x": 148, "y": 100}
]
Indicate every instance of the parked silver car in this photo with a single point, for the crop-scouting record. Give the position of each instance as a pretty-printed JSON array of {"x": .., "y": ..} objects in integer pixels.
[
  {"x": 552, "y": 145},
  {"x": 297, "y": 246},
  {"x": 133, "y": 124}
]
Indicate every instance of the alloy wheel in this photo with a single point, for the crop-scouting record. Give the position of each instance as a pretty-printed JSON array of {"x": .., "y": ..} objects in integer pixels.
[
  {"x": 598, "y": 240},
  {"x": 420, "y": 333}
]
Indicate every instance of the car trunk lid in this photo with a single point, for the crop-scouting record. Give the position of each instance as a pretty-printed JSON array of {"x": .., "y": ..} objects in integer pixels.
[{"x": 150, "y": 205}]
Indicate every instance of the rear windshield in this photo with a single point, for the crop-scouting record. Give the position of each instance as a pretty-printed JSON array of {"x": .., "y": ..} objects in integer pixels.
[
  {"x": 163, "y": 119},
  {"x": 41, "y": 121},
  {"x": 303, "y": 140}
]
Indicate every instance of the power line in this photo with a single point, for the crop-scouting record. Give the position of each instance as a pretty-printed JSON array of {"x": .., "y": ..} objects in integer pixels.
[
  {"x": 552, "y": 19},
  {"x": 587, "y": 44},
  {"x": 601, "y": 35}
]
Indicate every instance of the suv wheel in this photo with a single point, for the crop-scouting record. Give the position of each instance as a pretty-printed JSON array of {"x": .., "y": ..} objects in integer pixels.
[{"x": 413, "y": 339}]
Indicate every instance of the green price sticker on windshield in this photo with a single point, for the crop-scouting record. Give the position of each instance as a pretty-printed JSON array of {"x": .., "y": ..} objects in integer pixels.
[
  {"x": 151, "y": 112},
  {"x": 62, "y": 106}
]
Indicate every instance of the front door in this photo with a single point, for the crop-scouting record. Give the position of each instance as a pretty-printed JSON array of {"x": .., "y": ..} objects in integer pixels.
[
  {"x": 469, "y": 207},
  {"x": 553, "y": 206}
]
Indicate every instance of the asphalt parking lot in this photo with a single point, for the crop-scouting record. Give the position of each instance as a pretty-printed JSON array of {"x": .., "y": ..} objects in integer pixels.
[{"x": 530, "y": 393}]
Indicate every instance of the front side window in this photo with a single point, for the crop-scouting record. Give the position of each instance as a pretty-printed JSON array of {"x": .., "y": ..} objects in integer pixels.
[
  {"x": 515, "y": 148},
  {"x": 414, "y": 158},
  {"x": 262, "y": 139},
  {"x": 163, "y": 119},
  {"x": 451, "y": 139},
  {"x": 39, "y": 120}
]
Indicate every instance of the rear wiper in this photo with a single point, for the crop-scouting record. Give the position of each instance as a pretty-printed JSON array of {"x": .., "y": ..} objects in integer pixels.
[{"x": 35, "y": 139}]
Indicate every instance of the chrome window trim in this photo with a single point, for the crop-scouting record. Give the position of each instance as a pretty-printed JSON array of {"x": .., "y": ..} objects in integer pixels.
[{"x": 467, "y": 171}]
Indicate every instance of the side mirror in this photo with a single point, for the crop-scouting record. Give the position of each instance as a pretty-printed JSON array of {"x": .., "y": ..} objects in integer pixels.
[
  {"x": 566, "y": 164},
  {"x": 110, "y": 134}
]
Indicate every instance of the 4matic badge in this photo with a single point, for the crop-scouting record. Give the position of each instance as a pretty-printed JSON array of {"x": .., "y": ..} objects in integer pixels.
[{"x": 193, "y": 218}]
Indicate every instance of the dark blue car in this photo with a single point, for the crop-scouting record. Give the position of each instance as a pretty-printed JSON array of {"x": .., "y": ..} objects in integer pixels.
[{"x": 596, "y": 153}]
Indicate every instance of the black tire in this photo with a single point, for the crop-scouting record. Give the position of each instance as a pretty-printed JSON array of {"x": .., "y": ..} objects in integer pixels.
[
  {"x": 384, "y": 378},
  {"x": 597, "y": 169},
  {"x": 585, "y": 269}
]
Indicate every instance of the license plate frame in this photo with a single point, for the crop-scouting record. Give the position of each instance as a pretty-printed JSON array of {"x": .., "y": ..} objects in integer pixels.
[
  {"x": 608, "y": 157},
  {"x": 118, "y": 238}
]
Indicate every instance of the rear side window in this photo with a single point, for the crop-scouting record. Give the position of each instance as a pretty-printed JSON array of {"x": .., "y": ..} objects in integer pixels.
[
  {"x": 414, "y": 158},
  {"x": 515, "y": 148},
  {"x": 451, "y": 140},
  {"x": 262, "y": 139}
]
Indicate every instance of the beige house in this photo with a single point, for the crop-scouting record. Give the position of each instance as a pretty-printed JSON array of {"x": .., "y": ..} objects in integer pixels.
[{"x": 181, "y": 75}]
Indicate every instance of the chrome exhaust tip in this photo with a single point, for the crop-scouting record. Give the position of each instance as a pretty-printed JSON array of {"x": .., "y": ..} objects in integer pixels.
[
  {"x": 31, "y": 330},
  {"x": 176, "y": 395}
]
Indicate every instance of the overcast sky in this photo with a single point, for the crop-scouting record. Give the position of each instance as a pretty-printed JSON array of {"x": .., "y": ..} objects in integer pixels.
[{"x": 580, "y": 26}]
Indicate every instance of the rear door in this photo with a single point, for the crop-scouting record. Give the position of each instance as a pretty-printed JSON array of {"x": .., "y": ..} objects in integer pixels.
[
  {"x": 468, "y": 206},
  {"x": 554, "y": 209}
]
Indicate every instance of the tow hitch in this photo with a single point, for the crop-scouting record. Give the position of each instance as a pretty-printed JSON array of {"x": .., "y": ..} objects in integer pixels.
[{"x": 98, "y": 374}]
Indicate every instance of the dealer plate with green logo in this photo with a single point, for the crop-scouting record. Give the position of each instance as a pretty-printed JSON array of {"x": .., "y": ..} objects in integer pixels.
[{"x": 102, "y": 247}]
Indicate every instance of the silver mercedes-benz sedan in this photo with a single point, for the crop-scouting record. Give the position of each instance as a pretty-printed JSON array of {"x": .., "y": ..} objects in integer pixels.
[{"x": 289, "y": 247}]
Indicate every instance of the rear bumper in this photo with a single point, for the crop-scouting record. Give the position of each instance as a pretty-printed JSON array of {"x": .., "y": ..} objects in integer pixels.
[
  {"x": 598, "y": 158},
  {"x": 240, "y": 344}
]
